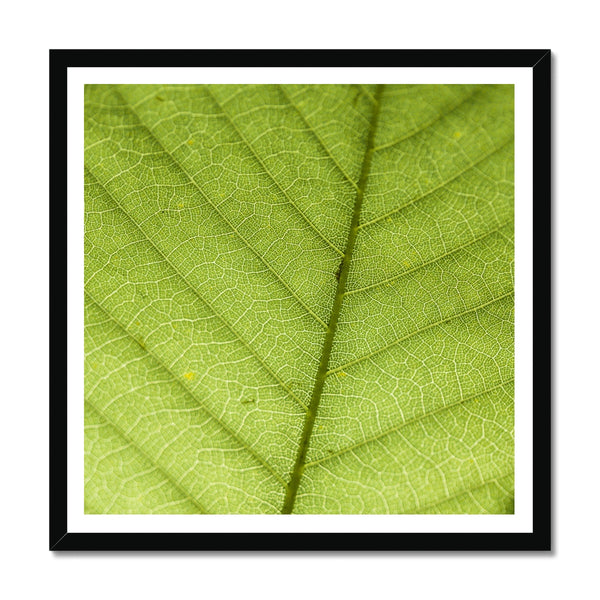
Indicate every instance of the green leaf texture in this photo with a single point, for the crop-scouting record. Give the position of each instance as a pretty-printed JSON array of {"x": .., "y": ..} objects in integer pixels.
[{"x": 299, "y": 299}]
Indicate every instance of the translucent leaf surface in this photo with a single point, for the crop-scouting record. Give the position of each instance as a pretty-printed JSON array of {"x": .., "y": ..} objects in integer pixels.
[{"x": 299, "y": 299}]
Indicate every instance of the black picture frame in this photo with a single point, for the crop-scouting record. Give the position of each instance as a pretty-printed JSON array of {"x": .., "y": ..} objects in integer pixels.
[{"x": 540, "y": 536}]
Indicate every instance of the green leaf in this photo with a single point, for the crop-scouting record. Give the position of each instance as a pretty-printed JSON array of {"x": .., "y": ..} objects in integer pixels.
[{"x": 299, "y": 299}]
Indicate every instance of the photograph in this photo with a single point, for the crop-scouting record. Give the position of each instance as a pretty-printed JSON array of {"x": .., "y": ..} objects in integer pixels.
[{"x": 299, "y": 299}]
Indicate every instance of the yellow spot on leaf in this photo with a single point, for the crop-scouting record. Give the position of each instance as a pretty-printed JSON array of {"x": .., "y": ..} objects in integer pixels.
[
  {"x": 180, "y": 205},
  {"x": 456, "y": 135},
  {"x": 190, "y": 142},
  {"x": 189, "y": 375},
  {"x": 341, "y": 374},
  {"x": 406, "y": 263}
]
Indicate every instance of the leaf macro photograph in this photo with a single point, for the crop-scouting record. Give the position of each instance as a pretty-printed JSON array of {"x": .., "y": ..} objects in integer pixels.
[{"x": 299, "y": 299}]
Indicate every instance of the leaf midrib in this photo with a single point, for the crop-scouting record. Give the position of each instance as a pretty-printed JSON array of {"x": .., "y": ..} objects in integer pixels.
[{"x": 322, "y": 372}]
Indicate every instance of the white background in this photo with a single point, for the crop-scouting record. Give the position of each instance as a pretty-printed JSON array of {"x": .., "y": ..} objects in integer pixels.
[{"x": 29, "y": 569}]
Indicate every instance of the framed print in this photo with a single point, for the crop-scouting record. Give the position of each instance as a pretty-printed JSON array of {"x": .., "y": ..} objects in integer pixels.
[{"x": 302, "y": 302}]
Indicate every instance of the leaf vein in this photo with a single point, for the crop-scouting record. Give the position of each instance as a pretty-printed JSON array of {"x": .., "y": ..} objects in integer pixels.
[
  {"x": 419, "y": 331},
  {"x": 468, "y": 490},
  {"x": 411, "y": 421},
  {"x": 472, "y": 166},
  {"x": 156, "y": 466},
  {"x": 271, "y": 176},
  {"x": 321, "y": 375},
  {"x": 430, "y": 262},
  {"x": 164, "y": 257},
  {"x": 424, "y": 126},
  {"x": 219, "y": 212},
  {"x": 318, "y": 138},
  {"x": 189, "y": 392}
]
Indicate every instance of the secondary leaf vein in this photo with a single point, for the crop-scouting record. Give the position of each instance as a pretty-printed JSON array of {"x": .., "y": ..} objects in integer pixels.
[
  {"x": 157, "y": 467},
  {"x": 437, "y": 187},
  {"x": 221, "y": 215},
  {"x": 199, "y": 296},
  {"x": 416, "y": 419},
  {"x": 268, "y": 172},
  {"x": 189, "y": 392},
  {"x": 418, "y": 331}
]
